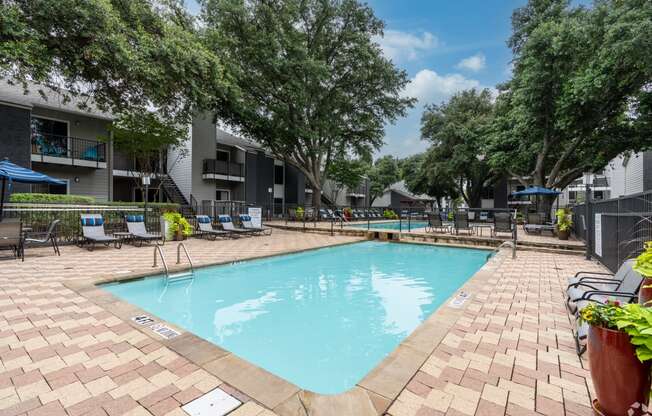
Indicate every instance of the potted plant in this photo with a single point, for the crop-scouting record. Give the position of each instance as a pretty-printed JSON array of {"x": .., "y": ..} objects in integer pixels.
[
  {"x": 176, "y": 227},
  {"x": 643, "y": 265},
  {"x": 348, "y": 213},
  {"x": 619, "y": 345},
  {"x": 564, "y": 223},
  {"x": 299, "y": 213}
]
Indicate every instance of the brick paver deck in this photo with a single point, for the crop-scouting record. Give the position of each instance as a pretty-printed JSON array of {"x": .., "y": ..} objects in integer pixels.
[{"x": 61, "y": 354}]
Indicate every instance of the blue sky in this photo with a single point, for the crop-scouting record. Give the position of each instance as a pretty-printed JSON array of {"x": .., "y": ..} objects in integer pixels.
[{"x": 445, "y": 46}]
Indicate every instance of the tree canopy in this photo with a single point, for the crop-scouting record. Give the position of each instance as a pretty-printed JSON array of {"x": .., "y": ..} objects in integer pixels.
[
  {"x": 122, "y": 54},
  {"x": 456, "y": 162},
  {"x": 581, "y": 78},
  {"x": 311, "y": 81},
  {"x": 382, "y": 174}
]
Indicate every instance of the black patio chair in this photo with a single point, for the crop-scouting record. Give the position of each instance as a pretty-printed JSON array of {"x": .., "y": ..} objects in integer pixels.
[{"x": 49, "y": 236}]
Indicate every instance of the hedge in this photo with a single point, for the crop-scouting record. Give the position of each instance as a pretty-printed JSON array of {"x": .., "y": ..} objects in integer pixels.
[{"x": 29, "y": 198}]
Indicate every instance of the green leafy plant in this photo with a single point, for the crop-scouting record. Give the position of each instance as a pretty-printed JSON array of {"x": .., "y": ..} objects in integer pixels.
[
  {"x": 643, "y": 263},
  {"x": 35, "y": 198},
  {"x": 177, "y": 222},
  {"x": 390, "y": 214},
  {"x": 299, "y": 213},
  {"x": 564, "y": 220},
  {"x": 633, "y": 319}
]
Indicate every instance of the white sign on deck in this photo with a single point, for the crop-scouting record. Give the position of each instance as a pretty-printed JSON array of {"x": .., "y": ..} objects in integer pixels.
[
  {"x": 256, "y": 214},
  {"x": 598, "y": 234}
]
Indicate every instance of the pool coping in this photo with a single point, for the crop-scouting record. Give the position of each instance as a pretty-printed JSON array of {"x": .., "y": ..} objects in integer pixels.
[{"x": 372, "y": 396}]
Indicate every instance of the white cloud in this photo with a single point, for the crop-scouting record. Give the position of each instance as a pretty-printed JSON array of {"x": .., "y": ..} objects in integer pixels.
[
  {"x": 473, "y": 63},
  {"x": 428, "y": 86},
  {"x": 398, "y": 46}
]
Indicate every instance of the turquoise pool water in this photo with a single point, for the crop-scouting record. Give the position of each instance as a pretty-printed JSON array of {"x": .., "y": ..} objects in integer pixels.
[
  {"x": 321, "y": 319},
  {"x": 393, "y": 225}
]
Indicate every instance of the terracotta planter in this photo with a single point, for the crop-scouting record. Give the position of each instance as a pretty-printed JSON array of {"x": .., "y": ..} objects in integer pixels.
[
  {"x": 620, "y": 379},
  {"x": 563, "y": 235},
  {"x": 645, "y": 292},
  {"x": 178, "y": 236}
]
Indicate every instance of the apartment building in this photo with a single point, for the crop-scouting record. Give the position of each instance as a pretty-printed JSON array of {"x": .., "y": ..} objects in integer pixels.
[
  {"x": 56, "y": 137},
  {"x": 214, "y": 167}
]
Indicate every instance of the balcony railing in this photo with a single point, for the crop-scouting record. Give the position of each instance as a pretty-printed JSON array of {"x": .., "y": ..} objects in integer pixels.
[
  {"x": 220, "y": 167},
  {"x": 53, "y": 145}
]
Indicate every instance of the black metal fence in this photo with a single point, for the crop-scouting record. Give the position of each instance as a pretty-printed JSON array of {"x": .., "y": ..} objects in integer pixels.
[
  {"x": 615, "y": 229},
  {"x": 37, "y": 217}
]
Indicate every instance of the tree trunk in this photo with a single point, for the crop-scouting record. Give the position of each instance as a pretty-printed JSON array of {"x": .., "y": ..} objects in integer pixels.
[{"x": 316, "y": 199}]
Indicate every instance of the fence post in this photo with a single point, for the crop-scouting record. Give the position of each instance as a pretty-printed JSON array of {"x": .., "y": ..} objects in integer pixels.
[
  {"x": 515, "y": 235},
  {"x": 589, "y": 228}
]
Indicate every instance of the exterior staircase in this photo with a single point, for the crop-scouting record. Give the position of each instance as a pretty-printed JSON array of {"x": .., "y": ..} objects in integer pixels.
[{"x": 174, "y": 194}]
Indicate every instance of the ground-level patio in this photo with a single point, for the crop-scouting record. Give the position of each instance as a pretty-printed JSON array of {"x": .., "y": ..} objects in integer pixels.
[{"x": 507, "y": 351}]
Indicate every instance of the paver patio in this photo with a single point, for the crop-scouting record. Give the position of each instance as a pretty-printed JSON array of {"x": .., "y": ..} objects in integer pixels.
[{"x": 510, "y": 352}]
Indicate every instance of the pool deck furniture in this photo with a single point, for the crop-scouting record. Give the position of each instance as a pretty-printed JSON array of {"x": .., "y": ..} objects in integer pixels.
[
  {"x": 248, "y": 225},
  {"x": 138, "y": 231},
  {"x": 480, "y": 227},
  {"x": 535, "y": 224},
  {"x": 502, "y": 223},
  {"x": 205, "y": 229},
  {"x": 435, "y": 224},
  {"x": 93, "y": 232},
  {"x": 227, "y": 225},
  {"x": 11, "y": 237},
  {"x": 461, "y": 223},
  {"x": 47, "y": 237}
]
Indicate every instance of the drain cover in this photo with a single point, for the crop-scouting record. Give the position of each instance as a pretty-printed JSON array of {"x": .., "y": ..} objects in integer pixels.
[{"x": 214, "y": 403}]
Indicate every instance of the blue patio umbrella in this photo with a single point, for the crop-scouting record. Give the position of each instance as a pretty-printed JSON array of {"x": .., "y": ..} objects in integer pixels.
[
  {"x": 536, "y": 191},
  {"x": 10, "y": 172}
]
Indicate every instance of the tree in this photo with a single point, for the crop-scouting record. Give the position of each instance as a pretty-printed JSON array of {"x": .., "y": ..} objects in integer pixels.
[
  {"x": 579, "y": 76},
  {"x": 423, "y": 175},
  {"x": 346, "y": 172},
  {"x": 458, "y": 131},
  {"x": 145, "y": 138},
  {"x": 311, "y": 81},
  {"x": 121, "y": 54},
  {"x": 381, "y": 175}
]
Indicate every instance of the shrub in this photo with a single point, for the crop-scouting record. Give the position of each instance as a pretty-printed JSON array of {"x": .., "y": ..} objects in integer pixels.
[
  {"x": 299, "y": 213},
  {"x": 390, "y": 214},
  {"x": 29, "y": 198},
  {"x": 177, "y": 222}
]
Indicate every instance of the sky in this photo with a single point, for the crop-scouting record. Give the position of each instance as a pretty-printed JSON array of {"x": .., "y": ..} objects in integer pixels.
[{"x": 445, "y": 46}]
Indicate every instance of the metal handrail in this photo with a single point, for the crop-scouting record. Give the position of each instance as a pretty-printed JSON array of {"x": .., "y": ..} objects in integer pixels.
[
  {"x": 165, "y": 265},
  {"x": 179, "y": 247}
]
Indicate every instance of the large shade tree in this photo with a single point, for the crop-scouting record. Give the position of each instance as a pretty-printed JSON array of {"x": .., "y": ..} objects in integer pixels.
[
  {"x": 458, "y": 131},
  {"x": 125, "y": 55},
  {"x": 424, "y": 175},
  {"x": 580, "y": 90},
  {"x": 384, "y": 172},
  {"x": 311, "y": 81}
]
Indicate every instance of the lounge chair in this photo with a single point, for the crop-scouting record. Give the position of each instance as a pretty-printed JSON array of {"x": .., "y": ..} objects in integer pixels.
[
  {"x": 93, "y": 232},
  {"x": 435, "y": 224},
  {"x": 245, "y": 220},
  {"x": 484, "y": 216},
  {"x": 205, "y": 228},
  {"x": 11, "y": 237},
  {"x": 620, "y": 274},
  {"x": 582, "y": 293},
  {"x": 535, "y": 224},
  {"x": 138, "y": 230},
  {"x": 227, "y": 225},
  {"x": 48, "y": 237},
  {"x": 461, "y": 222},
  {"x": 502, "y": 223},
  {"x": 626, "y": 292}
]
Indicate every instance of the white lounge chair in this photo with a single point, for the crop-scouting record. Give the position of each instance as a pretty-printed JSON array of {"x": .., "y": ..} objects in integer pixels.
[{"x": 93, "y": 232}]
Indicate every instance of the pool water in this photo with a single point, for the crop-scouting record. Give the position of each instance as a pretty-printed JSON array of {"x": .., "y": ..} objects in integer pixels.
[
  {"x": 393, "y": 225},
  {"x": 321, "y": 319}
]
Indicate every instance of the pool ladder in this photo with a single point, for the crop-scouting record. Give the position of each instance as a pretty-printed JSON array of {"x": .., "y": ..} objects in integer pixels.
[{"x": 176, "y": 276}]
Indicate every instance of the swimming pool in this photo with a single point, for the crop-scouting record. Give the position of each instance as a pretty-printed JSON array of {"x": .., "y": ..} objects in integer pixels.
[
  {"x": 321, "y": 319},
  {"x": 393, "y": 225}
]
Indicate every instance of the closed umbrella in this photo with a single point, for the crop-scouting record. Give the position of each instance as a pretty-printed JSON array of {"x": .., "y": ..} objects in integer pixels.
[{"x": 10, "y": 172}]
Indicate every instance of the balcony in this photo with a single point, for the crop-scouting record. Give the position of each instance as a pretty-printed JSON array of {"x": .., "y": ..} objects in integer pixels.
[
  {"x": 219, "y": 169},
  {"x": 65, "y": 150},
  {"x": 358, "y": 192}
]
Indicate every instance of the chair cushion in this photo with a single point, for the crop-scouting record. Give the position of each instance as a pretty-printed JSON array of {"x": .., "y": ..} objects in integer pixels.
[
  {"x": 135, "y": 218},
  {"x": 225, "y": 219},
  {"x": 203, "y": 219},
  {"x": 92, "y": 221},
  {"x": 245, "y": 218}
]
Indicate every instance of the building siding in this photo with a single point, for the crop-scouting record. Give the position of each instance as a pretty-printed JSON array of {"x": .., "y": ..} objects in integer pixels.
[
  {"x": 626, "y": 179},
  {"x": 179, "y": 166},
  {"x": 203, "y": 147},
  {"x": 15, "y": 139}
]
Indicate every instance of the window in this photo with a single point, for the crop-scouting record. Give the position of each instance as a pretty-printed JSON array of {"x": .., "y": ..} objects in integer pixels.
[
  {"x": 49, "y": 127},
  {"x": 221, "y": 195},
  {"x": 572, "y": 195},
  {"x": 44, "y": 188},
  {"x": 278, "y": 174},
  {"x": 49, "y": 137},
  {"x": 488, "y": 193},
  {"x": 598, "y": 195},
  {"x": 222, "y": 155}
]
